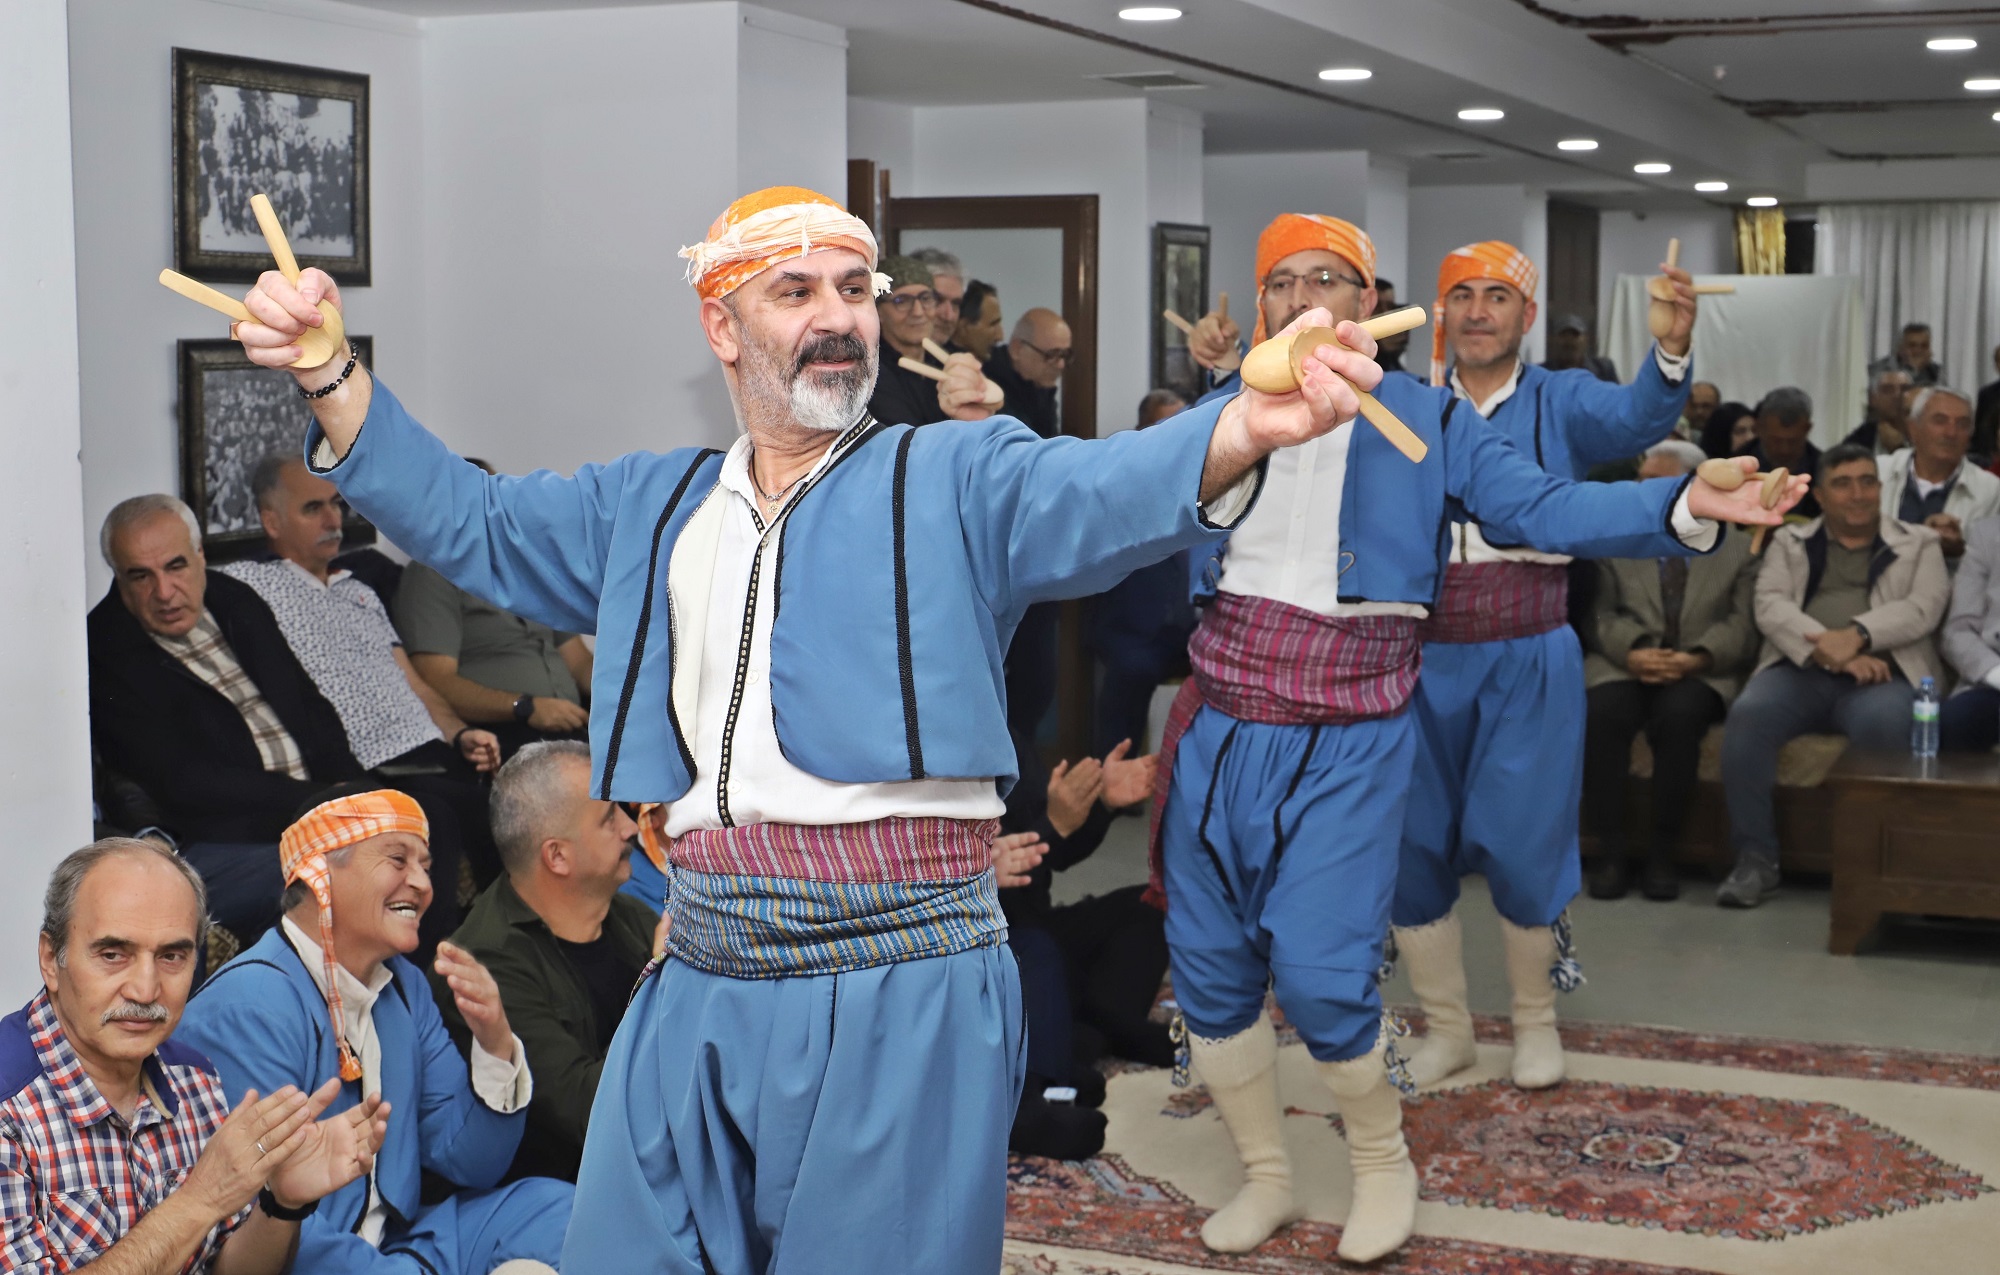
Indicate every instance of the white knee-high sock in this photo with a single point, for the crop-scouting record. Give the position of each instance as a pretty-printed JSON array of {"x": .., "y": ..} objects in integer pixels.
[
  {"x": 1385, "y": 1182},
  {"x": 1435, "y": 956},
  {"x": 1538, "y": 1051},
  {"x": 1241, "y": 1073}
]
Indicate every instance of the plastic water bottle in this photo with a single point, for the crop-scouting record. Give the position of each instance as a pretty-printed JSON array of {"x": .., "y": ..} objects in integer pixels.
[{"x": 1924, "y": 720}]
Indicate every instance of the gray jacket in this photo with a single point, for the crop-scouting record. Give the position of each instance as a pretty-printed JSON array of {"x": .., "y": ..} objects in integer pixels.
[
  {"x": 1972, "y": 632},
  {"x": 1715, "y": 614},
  {"x": 1907, "y": 595}
]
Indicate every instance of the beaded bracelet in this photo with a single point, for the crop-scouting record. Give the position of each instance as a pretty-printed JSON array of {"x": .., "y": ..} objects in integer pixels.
[{"x": 353, "y": 358}]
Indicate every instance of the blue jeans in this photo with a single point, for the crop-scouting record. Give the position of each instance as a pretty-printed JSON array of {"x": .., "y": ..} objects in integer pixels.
[
  {"x": 1970, "y": 720},
  {"x": 1780, "y": 704}
]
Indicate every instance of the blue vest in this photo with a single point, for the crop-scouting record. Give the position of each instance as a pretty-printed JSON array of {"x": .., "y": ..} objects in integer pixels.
[
  {"x": 902, "y": 572},
  {"x": 1570, "y": 421}
]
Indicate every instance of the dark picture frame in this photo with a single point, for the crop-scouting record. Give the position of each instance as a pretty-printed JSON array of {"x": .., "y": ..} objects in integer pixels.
[
  {"x": 233, "y": 414},
  {"x": 1180, "y": 284},
  {"x": 298, "y": 134}
]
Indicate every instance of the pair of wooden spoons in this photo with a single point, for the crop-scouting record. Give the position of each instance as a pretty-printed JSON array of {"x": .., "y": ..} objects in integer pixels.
[
  {"x": 1726, "y": 475},
  {"x": 1278, "y": 365},
  {"x": 1660, "y": 294},
  {"x": 993, "y": 396},
  {"x": 317, "y": 345}
]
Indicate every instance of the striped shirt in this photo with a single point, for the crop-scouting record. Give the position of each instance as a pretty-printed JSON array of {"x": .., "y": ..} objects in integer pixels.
[
  {"x": 206, "y": 654},
  {"x": 75, "y": 1176}
]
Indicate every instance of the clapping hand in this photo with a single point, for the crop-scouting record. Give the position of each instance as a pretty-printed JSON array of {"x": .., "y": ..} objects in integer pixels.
[
  {"x": 478, "y": 999},
  {"x": 1127, "y": 781},
  {"x": 333, "y": 1152},
  {"x": 1073, "y": 790},
  {"x": 258, "y": 1137},
  {"x": 1015, "y": 855}
]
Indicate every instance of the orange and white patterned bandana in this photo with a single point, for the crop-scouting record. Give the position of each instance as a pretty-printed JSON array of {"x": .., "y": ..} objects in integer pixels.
[
  {"x": 1489, "y": 260},
  {"x": 1303, "y": 232},
  {"x": 335, "y": 825},
  {"x": 778, "y": 223}
]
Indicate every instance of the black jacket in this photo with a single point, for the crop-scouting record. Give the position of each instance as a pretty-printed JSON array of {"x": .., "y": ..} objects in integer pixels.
[
  {"x": 902, "y": 397},
  {"x": 185, "y": 743},
  {"x": 1026, "y": 401}
]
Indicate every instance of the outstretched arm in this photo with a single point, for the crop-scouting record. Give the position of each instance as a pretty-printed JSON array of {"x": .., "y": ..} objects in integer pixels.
[{"x": 1256, "y": 424}]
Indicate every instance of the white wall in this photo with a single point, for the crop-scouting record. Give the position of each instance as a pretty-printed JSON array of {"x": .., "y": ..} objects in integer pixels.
[
  {"x": 1388, "y": 224},
  {"x": 572, "y": 155},
  {"x": 1872, "y": 180},
  {"x": 1244, "y": 192},
  {"x": 45, "y": 753},
  {"x": 120, "y": 61},
  {"x": 885, "y": 132},
  {"x": 1636, "y": 243},
  {"x": 1446, "y": 217}
]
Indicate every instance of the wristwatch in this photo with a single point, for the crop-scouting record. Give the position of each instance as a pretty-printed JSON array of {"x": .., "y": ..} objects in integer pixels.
[
  {"x": 279, "y": 1213},
  {"x": 524, "y": 708},
  {"x": 1867, "y": 638}
]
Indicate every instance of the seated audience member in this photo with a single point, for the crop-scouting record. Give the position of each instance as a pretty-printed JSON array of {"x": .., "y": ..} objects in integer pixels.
[
  {"x": 1986, "y": 417},
  {"x": 948, "y": 286},
  {"x": 1784, "y": 440},
  {"x": 1703, "y": 399},
  {"x": 1930, "y": 481},
  {"x": 1913, "y": 355},
  {"x": 1729, "y": 429},
  {"x": 1138, "y": 628},
  {"x": 1888, "y": 413},
  {"x": 1671, "y": 641},
  {"x": 903, "y": 397},
  {"x": 195, "y": 696},
  {"x": 331, "y": 991},
  {"x": 564, "y": 945},
  {"x": 1569, "y": 346},
  {"x": 397, "y": 726},
  {"x": 1030, "y": 366},
  {"x": 120, "y": 1148},
  {"x": 516, "y": 677},
  {"x": 1970, "y": 719},
  {"x": 1090, "y": 970},
  {"x": 979, "y": 323},
  {"x": 1389, "y": 350},
  {"x": 1848, "y": 605}
]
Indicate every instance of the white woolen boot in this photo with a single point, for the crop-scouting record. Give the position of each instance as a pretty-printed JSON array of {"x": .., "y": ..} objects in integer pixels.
[
  {"x": 1435, "y": 956},
  {"x": 1241, "y": 1073},
  {"x": 1538, "y": 1051},
  {"x": 1385, "y": 1182}
]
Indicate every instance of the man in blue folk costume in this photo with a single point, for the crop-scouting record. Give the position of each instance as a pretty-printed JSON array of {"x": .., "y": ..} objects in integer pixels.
[
  {"x": 1500, "y": 708},
  {"x": 1285, "y": 768},
  {"x": 799, "y": 648}
]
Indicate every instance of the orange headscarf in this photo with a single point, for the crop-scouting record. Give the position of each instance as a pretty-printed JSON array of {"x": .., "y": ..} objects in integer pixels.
[
  {"x": 335, "y": 825},
  {"x": 1489, "y": 260},
  {"x": 1304, "y": 232},
  {"x": 778, "y": 223}
]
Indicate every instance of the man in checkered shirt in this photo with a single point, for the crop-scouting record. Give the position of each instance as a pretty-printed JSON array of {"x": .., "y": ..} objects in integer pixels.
[{"x": 119, "y": 1152}]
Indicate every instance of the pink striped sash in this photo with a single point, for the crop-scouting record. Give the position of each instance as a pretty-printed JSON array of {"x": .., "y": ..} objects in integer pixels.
[
  {"x": 879, "y": 851},
  {"x": 1493, "y": 601}
]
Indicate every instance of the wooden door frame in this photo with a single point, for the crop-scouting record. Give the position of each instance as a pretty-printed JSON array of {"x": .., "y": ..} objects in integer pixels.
[{"x": 1076, "y": 217}]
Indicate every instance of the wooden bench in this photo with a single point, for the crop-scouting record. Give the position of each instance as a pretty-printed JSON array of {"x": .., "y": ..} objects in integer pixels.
[{"x": 1913, "y": 836}]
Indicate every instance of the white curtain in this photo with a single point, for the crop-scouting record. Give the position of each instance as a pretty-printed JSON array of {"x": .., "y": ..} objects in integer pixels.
[
  {"x": 1775, "y": 329},
  {"x": 1935, "y": 263}
]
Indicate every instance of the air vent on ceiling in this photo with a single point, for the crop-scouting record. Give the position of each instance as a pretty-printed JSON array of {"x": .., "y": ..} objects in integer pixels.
[
  {"x": 1458, "y": 157},
  {"x": 1153, "y": 80}
]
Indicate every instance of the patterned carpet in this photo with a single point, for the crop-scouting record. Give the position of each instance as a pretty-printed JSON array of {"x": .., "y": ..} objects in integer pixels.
[{"x": 1664, "y": 1152}]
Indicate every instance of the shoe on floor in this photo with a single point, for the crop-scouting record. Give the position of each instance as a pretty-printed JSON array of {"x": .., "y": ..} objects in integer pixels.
[
  {"x": 1662, "y": 881},
  {"x": 1610, "y": 879},
  {"x": 1747, "y": 885}
]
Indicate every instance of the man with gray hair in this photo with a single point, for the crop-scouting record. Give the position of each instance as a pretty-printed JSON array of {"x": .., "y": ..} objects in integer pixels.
[
  {"x": 1784, "y": 439},
  {"x": 119, "y": 1147},
  {"x": 948, "y": 284},
  {"x": 1931, "y": 482},
  {"x": 1888, "y": 412},
  {"x": 564, "y": 945}
]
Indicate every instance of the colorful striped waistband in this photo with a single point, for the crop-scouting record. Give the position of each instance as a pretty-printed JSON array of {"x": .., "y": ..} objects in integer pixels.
[
  {"x": 912, "y": 850},
  {"x": 751, "y": 926},
  {"x": 1495, "y": 601}
]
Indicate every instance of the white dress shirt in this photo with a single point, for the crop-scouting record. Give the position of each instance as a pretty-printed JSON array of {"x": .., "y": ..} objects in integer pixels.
[{"x": 505, "y": 1087}]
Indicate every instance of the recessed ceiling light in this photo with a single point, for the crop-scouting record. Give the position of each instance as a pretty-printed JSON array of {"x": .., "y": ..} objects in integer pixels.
[
  {"x": 1577, "y": 144},
  {"x": 1149, "y": 13},
  {"x": 1711, "y": 188},
  {"x": 1762, "y": 201},
  {"x": 1982, "y": 86},
  {"x": 1481, "y": 114},
  {"x": 1346, "y": 73},
  {"x": 1651, "y": 169},
  {"x": 1996, "y": 115},
  {"x": 1950, "y": 44}
]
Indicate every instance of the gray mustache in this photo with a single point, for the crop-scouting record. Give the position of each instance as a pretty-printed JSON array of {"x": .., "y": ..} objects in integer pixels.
[
  {"x": 839, "y": 348},
  {"x": 133, "y": 1012}
]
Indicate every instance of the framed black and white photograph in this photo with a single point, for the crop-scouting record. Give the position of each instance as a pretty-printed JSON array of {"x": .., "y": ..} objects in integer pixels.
[
  {"x": 1180, "y": 284},
  {"x": 233, "y": 414},
  {"x": 296, "y": 133}
]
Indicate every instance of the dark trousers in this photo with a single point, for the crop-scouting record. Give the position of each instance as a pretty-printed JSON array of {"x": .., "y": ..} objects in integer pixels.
[
  {"x": 1675, "y": 717},
  {"x": 1970, "y": 720},
  {"x": 1124, "y": 699},
  {"x": 1114, "y": 949},
  {"x": 244, "y": 884}
]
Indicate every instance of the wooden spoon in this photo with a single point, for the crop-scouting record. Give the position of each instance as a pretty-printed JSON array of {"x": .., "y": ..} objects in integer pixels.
[
  {"x": 1774, "y": 490},
  {"x": 1660, "y": 290},
  {"x": 1279, "y": 363},
  {"x": 316, "y": 345},
  {"x": 994, "y": 395}
]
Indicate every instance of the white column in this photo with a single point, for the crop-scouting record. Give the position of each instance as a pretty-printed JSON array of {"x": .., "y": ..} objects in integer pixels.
[{"x": 44, "y": 748}]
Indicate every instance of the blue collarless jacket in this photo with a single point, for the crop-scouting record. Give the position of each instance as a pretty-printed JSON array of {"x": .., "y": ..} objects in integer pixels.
[
  {"x": 1570, "y": 421},
  {"x": 902, "y": 571},
  {"x": 1395, "y": 516},
  {"x": 263, "y": 1022}
]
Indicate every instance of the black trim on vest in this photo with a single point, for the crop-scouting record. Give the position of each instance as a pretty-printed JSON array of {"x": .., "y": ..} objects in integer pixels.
[
  {"x": 1539, "y": 462},
  {"x": 905, "y": 658},
  {"x": 639, "y": 641}
]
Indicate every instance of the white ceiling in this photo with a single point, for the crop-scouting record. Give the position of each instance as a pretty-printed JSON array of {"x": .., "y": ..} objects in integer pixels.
[{"x": 1801, "y": 80}]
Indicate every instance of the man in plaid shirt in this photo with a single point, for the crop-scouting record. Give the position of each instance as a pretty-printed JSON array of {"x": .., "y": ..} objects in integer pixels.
[{"x": 119, "y": 1151}]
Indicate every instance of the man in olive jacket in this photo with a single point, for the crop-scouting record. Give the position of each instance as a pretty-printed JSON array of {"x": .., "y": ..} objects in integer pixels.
[{"x": 563, "y": 945}]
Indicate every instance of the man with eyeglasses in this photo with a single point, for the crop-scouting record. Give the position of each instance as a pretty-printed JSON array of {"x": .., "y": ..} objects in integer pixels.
[
  {"x": 948, "y": 286},
  {"x": 1500, "y": 708},
  {"x": 903, "y": 397},
  {"x": 1030, "y": 366}
]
